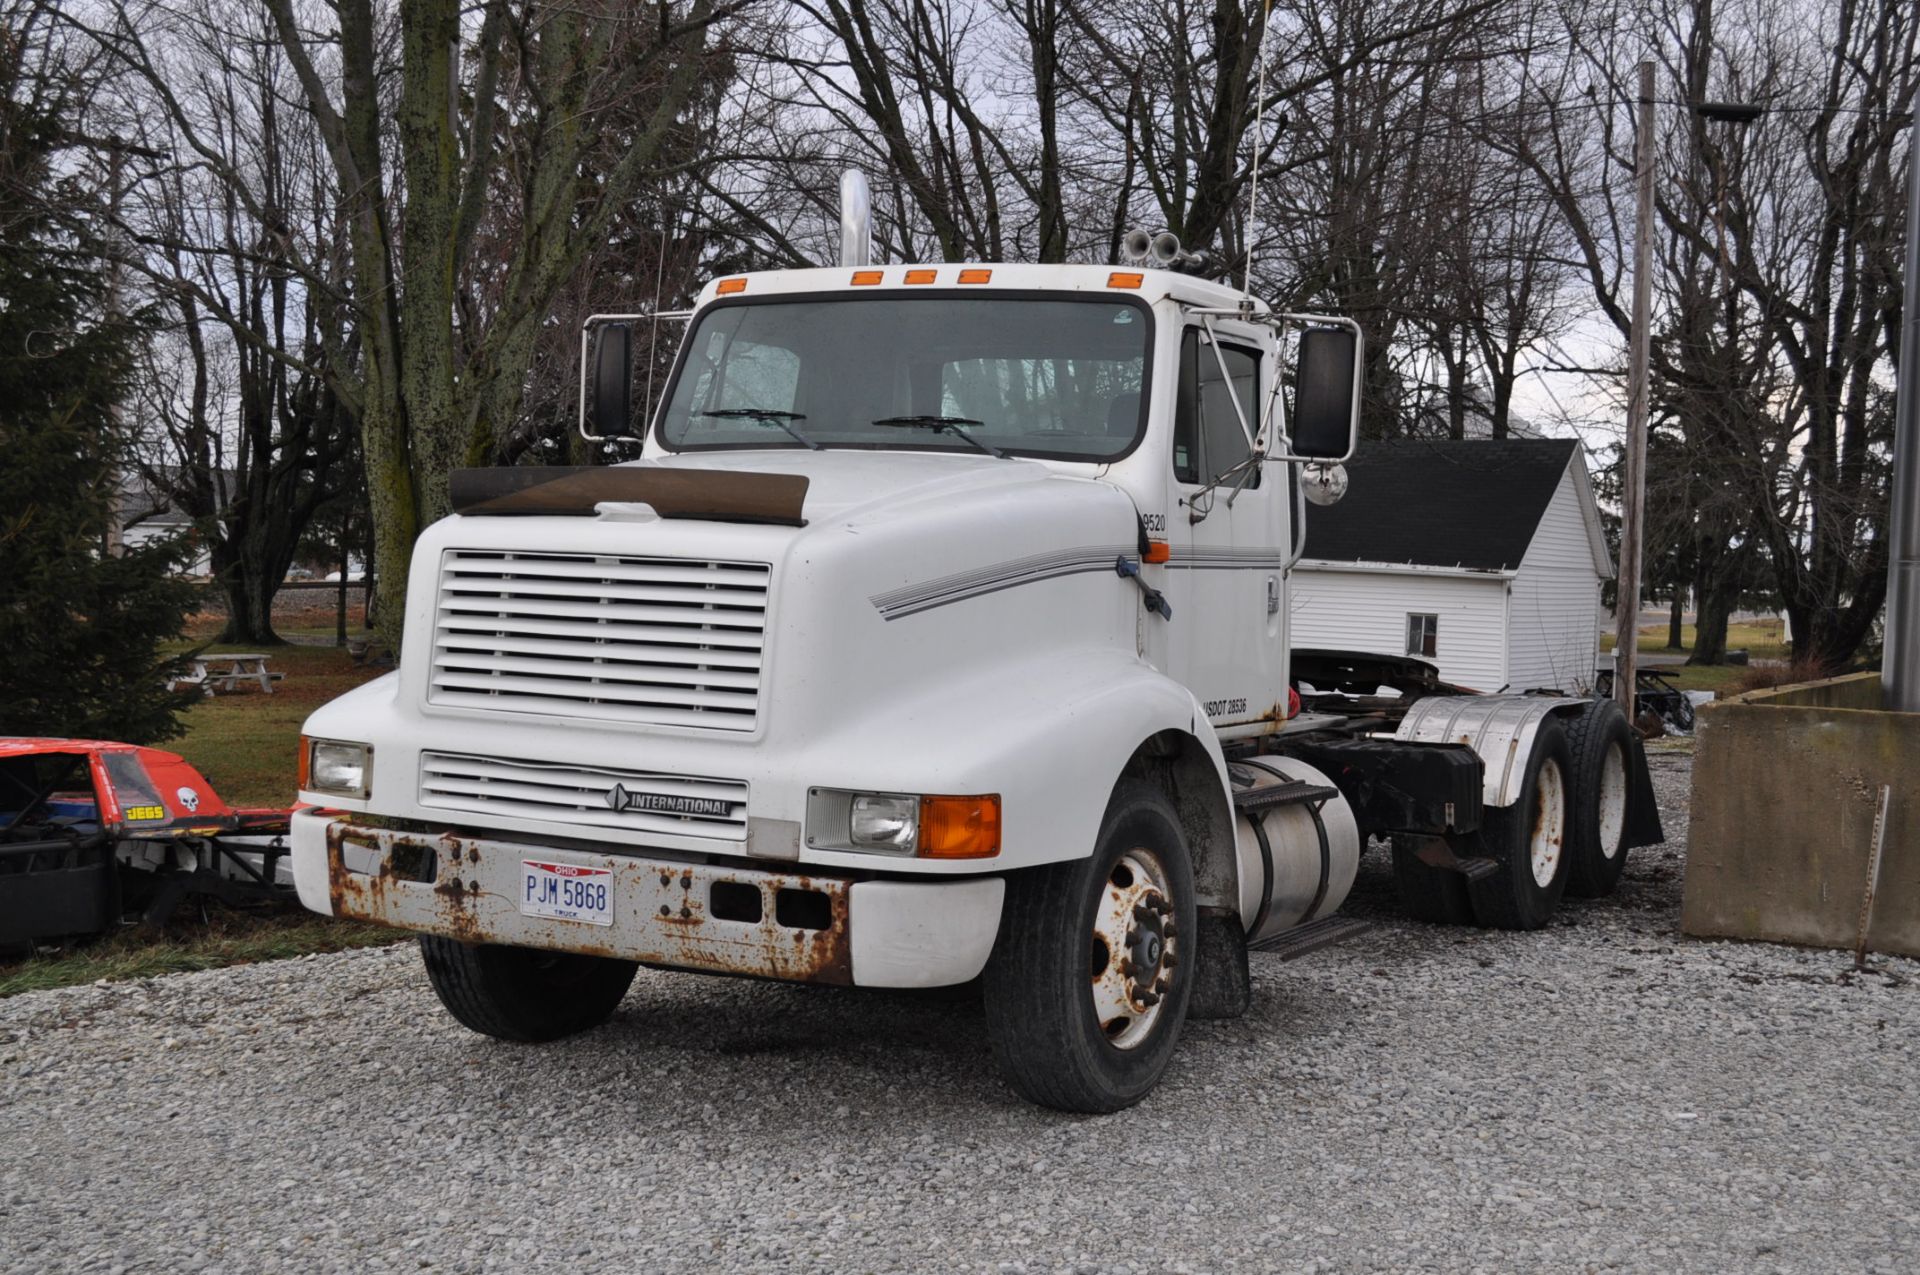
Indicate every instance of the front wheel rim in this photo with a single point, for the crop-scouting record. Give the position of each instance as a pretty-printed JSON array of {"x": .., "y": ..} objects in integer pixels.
[
  {"x": 1135, "y": 947},
  {"x": 1549, "y": 828}
]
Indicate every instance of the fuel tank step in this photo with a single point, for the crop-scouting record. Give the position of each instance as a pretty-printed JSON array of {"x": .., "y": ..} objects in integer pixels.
[
  {"x": 1295, "y": 792},
  {"x": 1301, "y": 939}
]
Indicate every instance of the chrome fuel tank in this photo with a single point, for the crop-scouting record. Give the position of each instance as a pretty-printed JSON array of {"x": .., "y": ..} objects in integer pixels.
[{"x": 1298, "y": 858}]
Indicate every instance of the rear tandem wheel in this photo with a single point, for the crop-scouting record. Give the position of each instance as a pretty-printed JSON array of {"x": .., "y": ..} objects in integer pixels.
[
  {"x": 1600, "y": 747},
  {"x": 1528, "y": 841}
]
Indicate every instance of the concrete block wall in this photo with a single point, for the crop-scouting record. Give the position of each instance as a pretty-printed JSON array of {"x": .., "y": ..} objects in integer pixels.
[{"x": 1785, "y": 787}]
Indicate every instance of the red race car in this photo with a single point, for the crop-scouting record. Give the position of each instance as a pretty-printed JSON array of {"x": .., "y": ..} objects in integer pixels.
[{"x": 91, "y": 831}]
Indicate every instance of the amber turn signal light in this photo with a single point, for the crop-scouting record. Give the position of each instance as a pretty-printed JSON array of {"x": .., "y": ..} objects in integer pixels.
[
  {"x": 960, "y": 827},
  {"x": 306, "y": 763},
  {"x": 1157, "y": 551}
]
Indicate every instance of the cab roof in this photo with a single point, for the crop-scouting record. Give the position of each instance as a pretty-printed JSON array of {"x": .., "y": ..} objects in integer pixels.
[{"x": 988, "y": 277}]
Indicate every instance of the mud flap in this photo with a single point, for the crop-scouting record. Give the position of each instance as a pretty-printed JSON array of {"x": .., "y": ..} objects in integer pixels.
[{"x": 1643, "y": 810}]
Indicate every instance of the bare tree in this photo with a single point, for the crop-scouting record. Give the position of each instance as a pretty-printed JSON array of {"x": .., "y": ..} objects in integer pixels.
[
  {"x": 428, "y": 121},
  {"x": 1778, "y": 307},
  {"x": 239, "y": 423}
]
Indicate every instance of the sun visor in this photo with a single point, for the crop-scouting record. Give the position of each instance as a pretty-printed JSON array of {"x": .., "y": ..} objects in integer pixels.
[{"x": 714, "y": 494}]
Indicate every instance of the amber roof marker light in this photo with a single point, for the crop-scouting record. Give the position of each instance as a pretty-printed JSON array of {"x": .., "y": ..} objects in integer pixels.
[
  {"x": 976, "y": 276},
  {"x": 727, "y": 287},
  {"x": 922, "y": 276},
  {"x": 868, "y": 278}
]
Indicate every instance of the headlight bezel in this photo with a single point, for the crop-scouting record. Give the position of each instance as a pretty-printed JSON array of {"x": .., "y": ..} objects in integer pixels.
[{"x": 943, "y": 827}]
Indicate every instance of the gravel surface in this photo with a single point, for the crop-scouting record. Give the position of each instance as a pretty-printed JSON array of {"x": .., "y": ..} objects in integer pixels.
[{"x": 1601, "y": 1095}]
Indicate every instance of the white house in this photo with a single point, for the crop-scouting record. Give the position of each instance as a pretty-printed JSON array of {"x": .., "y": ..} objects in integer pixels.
[{"x": 1484, "y": 557}]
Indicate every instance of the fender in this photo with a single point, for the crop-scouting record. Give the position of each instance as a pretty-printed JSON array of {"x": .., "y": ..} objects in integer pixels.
[
  {"x": 1499, "y": 728},
  {"x": 1051, "y": 733}
]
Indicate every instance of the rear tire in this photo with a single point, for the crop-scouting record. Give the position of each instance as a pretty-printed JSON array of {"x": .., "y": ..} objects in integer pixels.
[
  {"x": 1435, "y": 895},
  {"x": 522, "y": 993},
  {"x": 1600, "y": 748},
  {"x": 1089, "y": 981},
  {"x": 1528, "y": 840}
]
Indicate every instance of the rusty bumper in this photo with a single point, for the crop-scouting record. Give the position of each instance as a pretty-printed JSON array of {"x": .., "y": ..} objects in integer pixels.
[{"x": 802, "y": 929}]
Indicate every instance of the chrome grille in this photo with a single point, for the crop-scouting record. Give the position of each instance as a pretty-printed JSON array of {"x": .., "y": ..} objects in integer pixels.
[
  {"x": 664, "y": 641},
  {"x": 589, "y": 796}
]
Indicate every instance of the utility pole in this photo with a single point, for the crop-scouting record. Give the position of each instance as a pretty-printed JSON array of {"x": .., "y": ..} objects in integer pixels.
[
  {"x": 1633, "y": 494},
  {"x": 122, "y": 500},
  {"x": 1900, "y": 662}
]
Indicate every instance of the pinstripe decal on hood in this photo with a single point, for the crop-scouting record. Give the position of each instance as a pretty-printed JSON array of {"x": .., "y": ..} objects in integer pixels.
[{"x": 914, "y": 598}]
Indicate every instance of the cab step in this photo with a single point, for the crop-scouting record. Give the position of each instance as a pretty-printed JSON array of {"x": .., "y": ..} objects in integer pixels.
[
  {"x": 1476, "y": 869},
  {"x": 1301, "y": 939},
  {"x": 1296, "y": 792}
]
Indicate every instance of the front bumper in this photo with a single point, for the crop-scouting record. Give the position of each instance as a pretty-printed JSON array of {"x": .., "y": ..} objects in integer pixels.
[{"x": 813, "y": 927}]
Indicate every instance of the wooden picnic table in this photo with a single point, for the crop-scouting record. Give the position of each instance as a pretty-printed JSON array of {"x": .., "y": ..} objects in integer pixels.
[{"x": 213, "y": 673}]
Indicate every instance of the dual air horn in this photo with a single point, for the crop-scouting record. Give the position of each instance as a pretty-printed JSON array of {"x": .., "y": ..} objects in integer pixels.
[{"x": 1162, "y": 251}]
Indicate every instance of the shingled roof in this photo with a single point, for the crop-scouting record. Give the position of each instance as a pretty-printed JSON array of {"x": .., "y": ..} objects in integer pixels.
[{"x": 1442, "y": 503}]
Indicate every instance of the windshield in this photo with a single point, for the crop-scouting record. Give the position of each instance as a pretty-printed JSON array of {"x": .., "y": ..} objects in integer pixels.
[{"x": 1060, "y": 378}]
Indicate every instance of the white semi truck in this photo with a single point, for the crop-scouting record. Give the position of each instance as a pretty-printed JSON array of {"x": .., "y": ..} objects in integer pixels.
[{"x": 937, "y": 634}]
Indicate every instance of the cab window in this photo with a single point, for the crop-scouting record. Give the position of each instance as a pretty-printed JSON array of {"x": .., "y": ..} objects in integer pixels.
[{"x": 1207, "y": 438}]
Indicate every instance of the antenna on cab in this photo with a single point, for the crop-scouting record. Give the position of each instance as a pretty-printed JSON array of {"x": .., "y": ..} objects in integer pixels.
[{"x": 1259, "y": 140}]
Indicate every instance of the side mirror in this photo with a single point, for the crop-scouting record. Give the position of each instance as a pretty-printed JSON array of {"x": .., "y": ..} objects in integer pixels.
[
  {"x": 1326, "y": 397},
  {"x": 612, "y": 408}
]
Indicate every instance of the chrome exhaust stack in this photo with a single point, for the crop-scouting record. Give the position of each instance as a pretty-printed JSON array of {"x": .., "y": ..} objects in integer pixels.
[{"x": 856, "y": 219}]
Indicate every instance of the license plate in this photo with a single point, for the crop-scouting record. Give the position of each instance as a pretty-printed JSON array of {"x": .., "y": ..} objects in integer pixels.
[{"x": 566, "y": 892}]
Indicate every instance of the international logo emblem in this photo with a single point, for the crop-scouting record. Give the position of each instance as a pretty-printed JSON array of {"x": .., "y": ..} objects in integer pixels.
[{"x": 623, "y": 798}]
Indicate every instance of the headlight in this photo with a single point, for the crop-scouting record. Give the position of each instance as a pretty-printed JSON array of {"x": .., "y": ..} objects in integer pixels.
[
  {"x": 884, "y": 823},
  {"x": 903, "y": 824},
  {"x": 336, "y": 767}
]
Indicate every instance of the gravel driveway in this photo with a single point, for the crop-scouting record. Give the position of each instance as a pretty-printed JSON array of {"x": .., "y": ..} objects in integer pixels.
[{"x": 1601, "y": 1095}]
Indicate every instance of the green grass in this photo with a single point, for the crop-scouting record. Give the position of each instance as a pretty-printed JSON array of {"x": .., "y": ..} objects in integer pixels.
[
  {"x": 1719, "y": 678},
  {"x": 222, "y": 938},
  {"x": 247, "y": 744},
  {"x": 1761, "y": 639}
]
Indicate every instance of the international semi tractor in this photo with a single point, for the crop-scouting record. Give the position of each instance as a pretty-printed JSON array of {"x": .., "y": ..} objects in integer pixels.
[{"x": 935, "y": 635}]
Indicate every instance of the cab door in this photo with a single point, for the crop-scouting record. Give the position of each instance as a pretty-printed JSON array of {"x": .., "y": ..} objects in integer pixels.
[{"x": 1227, "y": 641}]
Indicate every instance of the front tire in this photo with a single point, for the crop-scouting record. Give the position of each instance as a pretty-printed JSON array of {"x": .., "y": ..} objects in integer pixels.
[
  {"x": 1528, "y": 840},
  {"x": 522, "y": 993},
  {"x": 1090, "y": 977}
]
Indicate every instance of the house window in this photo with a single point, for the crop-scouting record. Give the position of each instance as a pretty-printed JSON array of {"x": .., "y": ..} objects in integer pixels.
[{"x": 1423, "y": 635}]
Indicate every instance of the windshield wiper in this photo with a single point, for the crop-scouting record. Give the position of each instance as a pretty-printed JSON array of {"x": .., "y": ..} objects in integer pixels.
[
  {"x": 765, "y": 416},
  {"x": 944, "y": 424}
]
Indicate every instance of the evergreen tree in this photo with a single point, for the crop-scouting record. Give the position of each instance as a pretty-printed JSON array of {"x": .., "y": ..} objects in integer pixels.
[{"x": 81, "y": 631}]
